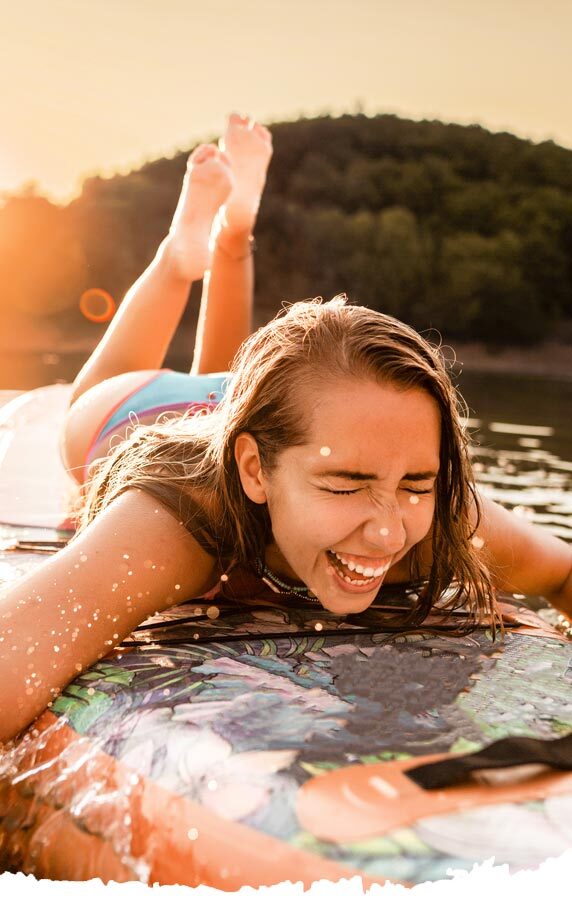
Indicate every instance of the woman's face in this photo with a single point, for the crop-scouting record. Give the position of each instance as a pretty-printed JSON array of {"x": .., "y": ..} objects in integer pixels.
[{"x": 352, "y": 501}]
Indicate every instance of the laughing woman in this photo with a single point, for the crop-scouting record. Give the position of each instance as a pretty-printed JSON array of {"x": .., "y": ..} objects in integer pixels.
[{"x": 333, "y": 458}]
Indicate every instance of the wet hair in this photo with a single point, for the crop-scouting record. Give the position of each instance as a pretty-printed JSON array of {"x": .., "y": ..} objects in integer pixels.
[{"x": 188, "y": 464}]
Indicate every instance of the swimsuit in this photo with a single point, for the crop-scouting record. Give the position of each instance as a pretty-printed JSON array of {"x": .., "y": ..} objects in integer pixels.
[{"x": 165, "y": 391}]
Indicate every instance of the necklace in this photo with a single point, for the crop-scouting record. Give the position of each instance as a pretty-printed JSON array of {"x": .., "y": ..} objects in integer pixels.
[{"x": 280, "y": 587}]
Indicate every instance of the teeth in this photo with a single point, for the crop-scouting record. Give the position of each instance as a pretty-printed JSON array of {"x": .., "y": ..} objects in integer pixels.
[
  {"x": 361, "y": 581},
  {"x": 366, "y": 571}
]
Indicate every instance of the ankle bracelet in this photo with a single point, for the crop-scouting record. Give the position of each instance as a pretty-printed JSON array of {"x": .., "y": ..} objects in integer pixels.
[{"x": 251, "y": 250}]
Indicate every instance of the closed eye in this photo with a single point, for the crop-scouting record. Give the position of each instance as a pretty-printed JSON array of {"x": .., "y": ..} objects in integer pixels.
[{"x": 330, "y": 491}]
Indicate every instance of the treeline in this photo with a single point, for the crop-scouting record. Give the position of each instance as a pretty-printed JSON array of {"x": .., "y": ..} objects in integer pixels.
[{"x": 445, "y": 226}]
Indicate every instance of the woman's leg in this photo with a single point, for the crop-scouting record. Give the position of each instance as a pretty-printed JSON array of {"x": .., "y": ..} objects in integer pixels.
[
  {"x": 153, "y": 306},
  {"x": 140, "y": 333},
  {"x": 225, "y": 317}
]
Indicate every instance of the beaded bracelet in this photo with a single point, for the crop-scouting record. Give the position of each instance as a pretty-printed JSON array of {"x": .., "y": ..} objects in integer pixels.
[{"x": 251, "y": 250}]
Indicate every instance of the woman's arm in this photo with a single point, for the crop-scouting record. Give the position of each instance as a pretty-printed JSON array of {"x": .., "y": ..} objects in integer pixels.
[
  {"x": 524, "y": 558},
  {"x": 132, "y": 561}
]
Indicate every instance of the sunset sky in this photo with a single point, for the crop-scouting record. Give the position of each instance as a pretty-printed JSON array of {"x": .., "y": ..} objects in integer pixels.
[{"x": 103, "y": 85}]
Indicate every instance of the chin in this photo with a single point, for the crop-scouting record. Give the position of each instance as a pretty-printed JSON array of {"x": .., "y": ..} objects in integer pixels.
[{"x": 346, "y": 607}]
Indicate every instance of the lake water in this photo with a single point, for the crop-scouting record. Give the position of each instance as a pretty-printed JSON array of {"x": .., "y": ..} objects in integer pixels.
[{"x": 522, "y": 429}]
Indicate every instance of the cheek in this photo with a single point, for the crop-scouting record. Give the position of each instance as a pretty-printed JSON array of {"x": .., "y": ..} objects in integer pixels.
[{"x": 418, "y": 518}]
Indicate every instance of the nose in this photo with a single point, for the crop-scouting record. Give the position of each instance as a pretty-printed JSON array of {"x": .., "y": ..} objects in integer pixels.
[{"x": 384, "y": 529}]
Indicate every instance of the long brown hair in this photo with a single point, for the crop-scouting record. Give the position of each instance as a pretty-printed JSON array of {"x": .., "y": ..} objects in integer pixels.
[{"x": 189, "y": 464}]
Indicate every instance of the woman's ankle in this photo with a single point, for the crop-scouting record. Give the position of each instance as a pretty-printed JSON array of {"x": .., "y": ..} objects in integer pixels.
[
  {"x": 171, "y": 260},
  {"x": 238, "y": 244}
]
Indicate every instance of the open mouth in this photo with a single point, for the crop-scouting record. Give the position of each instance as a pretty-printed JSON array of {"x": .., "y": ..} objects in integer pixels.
[{"x": 352, "y": 570}]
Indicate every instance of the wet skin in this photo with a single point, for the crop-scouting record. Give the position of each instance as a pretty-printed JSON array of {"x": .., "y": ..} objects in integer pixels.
[{"x": 371, "y": 499}]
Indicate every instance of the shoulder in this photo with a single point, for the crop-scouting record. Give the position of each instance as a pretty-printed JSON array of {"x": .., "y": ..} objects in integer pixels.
[
  {"x": 522, "y": 557},
  {"x": 138, "y": 529}
]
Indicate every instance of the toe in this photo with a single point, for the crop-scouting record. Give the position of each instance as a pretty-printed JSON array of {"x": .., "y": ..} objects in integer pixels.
[
  {"x": 235, "y": 119},
  {"x": 201, "y": 153},
  {"x": 263, "y": 132}
]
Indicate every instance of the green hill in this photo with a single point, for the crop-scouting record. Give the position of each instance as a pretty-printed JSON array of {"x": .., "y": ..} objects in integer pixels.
[{"x": 445, "y": 226}]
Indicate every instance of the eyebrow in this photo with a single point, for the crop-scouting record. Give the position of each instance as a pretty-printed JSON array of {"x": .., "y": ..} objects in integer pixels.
[{"x": 352, "y": 475}]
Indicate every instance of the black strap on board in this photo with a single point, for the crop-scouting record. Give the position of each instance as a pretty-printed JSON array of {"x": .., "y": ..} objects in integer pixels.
[{"x": 510, "y": 751}]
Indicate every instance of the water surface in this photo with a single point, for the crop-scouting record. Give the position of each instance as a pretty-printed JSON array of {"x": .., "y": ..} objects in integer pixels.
[{"x": 522, "y": 433}]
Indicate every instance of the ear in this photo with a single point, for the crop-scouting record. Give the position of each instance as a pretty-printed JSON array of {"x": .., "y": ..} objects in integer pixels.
[{"x": 249, "y": 468}]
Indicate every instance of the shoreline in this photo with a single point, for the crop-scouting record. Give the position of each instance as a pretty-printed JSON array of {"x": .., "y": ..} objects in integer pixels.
[
  {"x": 550, "y": 359},
  {"x": 45, "y": 361}
]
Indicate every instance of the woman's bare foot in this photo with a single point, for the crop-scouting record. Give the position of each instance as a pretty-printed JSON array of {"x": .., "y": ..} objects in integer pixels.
[
  {"x": 207, "y": 184},
  {"x": 248, "y": 146}
]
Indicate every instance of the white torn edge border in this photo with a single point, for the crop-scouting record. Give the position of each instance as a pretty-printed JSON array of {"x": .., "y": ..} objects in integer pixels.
[{"x": 552, "y": 878}]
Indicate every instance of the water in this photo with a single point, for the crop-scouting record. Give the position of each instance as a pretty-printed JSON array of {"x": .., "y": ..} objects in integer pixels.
[{"x": 522, "y": 431}]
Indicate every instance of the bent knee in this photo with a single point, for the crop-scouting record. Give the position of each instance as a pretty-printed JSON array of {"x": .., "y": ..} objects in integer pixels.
[{"x": 88, "y": 415}]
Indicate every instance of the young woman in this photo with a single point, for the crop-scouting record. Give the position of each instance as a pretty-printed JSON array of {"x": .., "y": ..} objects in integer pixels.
[{"x": 334, "y": 461}]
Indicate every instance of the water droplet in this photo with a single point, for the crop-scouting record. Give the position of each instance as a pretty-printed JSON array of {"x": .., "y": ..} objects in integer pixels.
[
  {"x": 192, "y": 834},
  {"x": 224, "y": 577},
  {"x": 56, "y": 648},
  {"x": 177, "y": 587},
  {"x": 213, "y": 612},
  {"x": 212, "y": 785},
  {"x": 384, "y": 532},
  {"x": 325, "y": 451},
  {"x": 477, "y": 542},
  {"x": 125, "y": 556},
  {"x": 414, "y": 499},
  {"x": 318, "y": 626},
  {"x": 148, "y": 563},
  {"x": 83, "y": 558}
]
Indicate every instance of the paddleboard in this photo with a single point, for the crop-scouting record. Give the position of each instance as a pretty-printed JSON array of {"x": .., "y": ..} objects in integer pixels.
[
  {"x": 35, "y": 489},
  {"x": 240, "y": 741}
]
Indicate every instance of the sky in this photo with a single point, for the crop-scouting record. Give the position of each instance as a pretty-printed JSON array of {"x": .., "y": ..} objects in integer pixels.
[{"x": 101, "y": 86}]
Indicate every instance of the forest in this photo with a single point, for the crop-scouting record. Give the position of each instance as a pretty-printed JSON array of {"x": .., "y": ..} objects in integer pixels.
[{"x": 446, "y": 226}]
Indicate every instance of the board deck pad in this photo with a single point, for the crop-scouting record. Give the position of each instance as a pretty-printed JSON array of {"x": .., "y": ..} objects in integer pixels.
[{"x": 187, "y": 755}]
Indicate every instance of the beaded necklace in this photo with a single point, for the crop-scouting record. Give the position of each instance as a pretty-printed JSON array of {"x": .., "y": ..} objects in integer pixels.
[{"x": 280, "y": 587}]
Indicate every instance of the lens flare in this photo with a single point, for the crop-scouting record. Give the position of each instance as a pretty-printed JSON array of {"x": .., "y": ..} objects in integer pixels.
[{"x": 97, "y": 305}]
